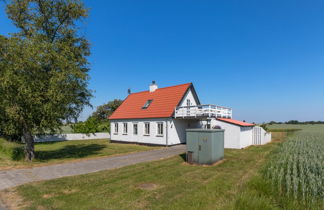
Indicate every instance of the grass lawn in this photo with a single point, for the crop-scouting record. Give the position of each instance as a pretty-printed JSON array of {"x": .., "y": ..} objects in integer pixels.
[
  {"x": 58, "y": 152},
  {"x": 169, "y": 183}
]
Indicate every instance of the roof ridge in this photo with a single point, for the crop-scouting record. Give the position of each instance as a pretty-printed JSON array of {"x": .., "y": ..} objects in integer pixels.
[{"x": 163, "y": 88}]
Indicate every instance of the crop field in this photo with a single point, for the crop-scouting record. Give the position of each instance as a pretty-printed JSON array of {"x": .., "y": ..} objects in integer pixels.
[
  {"x": 306, "y": 128},
  {"x": 297, "y": 167}
]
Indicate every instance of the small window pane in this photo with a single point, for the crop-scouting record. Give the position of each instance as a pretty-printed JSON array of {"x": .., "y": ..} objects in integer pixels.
[
  {"x": 160, "y": 128},
  {"x": 116, "y": 127},
  {"x": 135, "y": 130},
  {"x": 147, "y": 129},
  {"x": 125, "y": 128}
]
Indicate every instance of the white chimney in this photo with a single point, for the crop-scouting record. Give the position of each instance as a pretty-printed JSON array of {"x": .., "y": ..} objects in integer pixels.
[{"x": 153, "y": 87}]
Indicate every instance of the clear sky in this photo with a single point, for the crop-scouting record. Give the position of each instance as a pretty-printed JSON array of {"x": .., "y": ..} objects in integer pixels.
[{"x": 265, "y": 59}]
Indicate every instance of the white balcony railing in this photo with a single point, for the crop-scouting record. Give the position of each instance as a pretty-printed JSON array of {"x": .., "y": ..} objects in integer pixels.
[{"x": 200, "y": 111}]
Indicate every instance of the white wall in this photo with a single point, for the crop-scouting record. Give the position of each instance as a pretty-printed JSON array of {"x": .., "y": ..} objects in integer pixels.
[
  {"x": 153, "y": 138},
  {"x": 232, "y": 134},
  {"x": 71, "y": 137},
  {"x": 176, "y": 133},
  {"x": 189, "y": 95},
  {"x": 245, "y": 136}
]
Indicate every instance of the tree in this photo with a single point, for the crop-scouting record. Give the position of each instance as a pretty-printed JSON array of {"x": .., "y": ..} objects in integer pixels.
[
  {"x": 43, "y": 68},
  {"x": 104, "y": 111}
]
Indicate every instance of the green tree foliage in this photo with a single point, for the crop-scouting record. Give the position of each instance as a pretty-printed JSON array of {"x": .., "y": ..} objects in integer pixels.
[
  {"x": 89, "y": 126},
  {"x": 43, "y": 68},
  {"x": 98, "y": 121},
  {"x": 105, "y": 110}
]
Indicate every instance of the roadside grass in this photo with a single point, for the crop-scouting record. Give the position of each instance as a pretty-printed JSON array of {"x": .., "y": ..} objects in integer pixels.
[
  {"x": 58, "y": 152},
  {"x": 164, "y": 184}
]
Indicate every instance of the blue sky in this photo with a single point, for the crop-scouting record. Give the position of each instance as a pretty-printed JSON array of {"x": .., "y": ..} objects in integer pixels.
[{"x": 265, "y": 59}]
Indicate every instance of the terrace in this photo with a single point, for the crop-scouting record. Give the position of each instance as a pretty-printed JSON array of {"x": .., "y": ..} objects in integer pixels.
[{"x": 202, "y": 111}]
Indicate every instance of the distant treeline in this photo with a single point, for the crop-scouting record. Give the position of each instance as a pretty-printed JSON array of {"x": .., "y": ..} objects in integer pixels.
[{"x": 296, "y": 122}]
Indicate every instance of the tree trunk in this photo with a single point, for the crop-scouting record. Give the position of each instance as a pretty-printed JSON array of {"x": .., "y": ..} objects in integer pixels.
[{"x": 29, "y": 145}]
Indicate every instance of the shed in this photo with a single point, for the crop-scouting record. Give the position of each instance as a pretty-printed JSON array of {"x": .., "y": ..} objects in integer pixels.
[{"x": 237, "y": 134}]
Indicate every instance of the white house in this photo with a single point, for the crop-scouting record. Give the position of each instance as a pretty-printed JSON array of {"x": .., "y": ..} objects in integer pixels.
[{"x": 160, "y": 116}]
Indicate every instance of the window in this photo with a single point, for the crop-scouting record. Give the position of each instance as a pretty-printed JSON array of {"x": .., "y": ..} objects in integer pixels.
[
  {"x": 188, "y": 102},
  {"x": 147, "y": 104},
  {"x": 125, "y": 128},
  {"x": 116, "y": 128},
  {"x": 147, "y": 129},
  {"x": 135, "y": 130},
  {"x": 160, "y": 128}
]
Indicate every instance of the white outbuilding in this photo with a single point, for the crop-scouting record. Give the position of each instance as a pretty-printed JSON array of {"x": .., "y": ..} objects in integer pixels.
[{"x": 240, "y": 134}]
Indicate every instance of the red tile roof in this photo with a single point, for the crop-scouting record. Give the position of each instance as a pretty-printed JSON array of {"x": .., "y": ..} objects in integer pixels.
[
  {"x": 236, "y": 122},
  {"x": 164, "y": 102}
]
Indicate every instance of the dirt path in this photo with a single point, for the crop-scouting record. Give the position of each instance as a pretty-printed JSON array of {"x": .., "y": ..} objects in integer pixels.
[{"x": 15, "y": 177}]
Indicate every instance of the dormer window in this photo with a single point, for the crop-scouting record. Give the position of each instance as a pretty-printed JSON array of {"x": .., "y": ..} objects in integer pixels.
[{"x": 147, "y": 104}]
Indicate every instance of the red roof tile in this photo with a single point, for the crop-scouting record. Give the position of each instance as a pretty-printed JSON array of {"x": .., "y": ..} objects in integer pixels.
[
  {"x": 235, "y": 122},
  {"x": 164, "y": 102}
]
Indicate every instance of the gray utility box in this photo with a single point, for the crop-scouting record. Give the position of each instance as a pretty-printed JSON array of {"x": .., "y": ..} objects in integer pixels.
[{"x": 205, "y": 146}]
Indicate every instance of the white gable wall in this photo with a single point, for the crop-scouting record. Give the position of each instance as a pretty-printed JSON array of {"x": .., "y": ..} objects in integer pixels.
[{"x": 189, "y": 95}]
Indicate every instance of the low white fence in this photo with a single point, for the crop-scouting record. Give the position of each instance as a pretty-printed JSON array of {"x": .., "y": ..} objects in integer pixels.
[
  {"x": 260, "y": 136},
  {"x": 71, "y": 137}
]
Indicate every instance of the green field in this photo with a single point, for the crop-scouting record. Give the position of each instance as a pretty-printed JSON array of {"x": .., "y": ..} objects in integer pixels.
[
  {"x": 161, "y": 184},
  {"x": 58, "y": 152},
  {"x": 240, "y": 182},
  {"x": 308, "y": 128}
]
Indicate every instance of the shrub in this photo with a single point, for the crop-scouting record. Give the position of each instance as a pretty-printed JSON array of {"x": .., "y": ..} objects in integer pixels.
[
  {"x": 13, "y": 150},
  {"x": 91, "y": 125}
]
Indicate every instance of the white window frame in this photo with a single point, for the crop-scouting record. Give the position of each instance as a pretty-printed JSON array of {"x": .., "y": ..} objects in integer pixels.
[
  {"x": 125, "y": 128},
  {"x": 149, "y": 129},
  {"x": 158, "y": 124},
  {"x": 136, "y": 128},
  {"x": 116, "y": 128}
]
